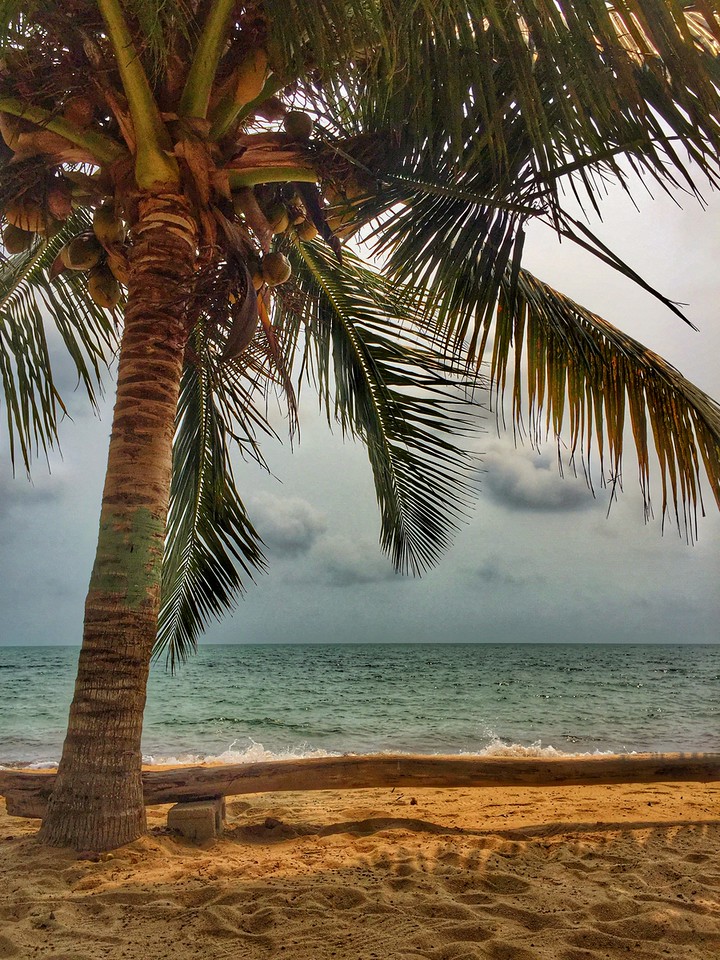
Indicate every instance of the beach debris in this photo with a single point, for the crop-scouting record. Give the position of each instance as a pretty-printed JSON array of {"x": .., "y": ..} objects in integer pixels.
[{"x": 43, "y": 919}]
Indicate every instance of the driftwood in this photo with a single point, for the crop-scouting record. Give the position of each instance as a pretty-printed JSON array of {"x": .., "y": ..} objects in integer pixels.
[{"x": 27, "y": 793}]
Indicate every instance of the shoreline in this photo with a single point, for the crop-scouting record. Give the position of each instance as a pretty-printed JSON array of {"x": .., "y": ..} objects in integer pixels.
[
  {"x": 488, "y": 873},
  {"x": 500, "y": 752}
]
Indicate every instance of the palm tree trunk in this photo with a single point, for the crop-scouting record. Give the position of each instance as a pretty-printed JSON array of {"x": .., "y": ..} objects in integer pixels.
[{"x": 97, "y": 803}]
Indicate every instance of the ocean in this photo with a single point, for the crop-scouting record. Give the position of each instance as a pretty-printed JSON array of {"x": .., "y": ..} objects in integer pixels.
[{"x": 247, "y": 703}]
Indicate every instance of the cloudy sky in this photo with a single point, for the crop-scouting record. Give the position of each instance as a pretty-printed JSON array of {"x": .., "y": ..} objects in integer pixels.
[{"x": 539, "y": 560}]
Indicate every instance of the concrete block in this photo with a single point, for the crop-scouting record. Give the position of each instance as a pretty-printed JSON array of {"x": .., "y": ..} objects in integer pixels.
[{"x": 199, "y": 820}]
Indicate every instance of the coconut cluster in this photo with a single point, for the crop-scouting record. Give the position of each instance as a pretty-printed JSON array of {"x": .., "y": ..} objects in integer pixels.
[
  {"x": 98, "y": 252},
  {"x": 42, "y": 209},
  {"x": 284, "y": 212},
  {"x": 27, "y": 217}
]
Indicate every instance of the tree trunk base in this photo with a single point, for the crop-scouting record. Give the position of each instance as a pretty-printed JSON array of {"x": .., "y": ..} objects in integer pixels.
[{"x": 99, "y": 821}]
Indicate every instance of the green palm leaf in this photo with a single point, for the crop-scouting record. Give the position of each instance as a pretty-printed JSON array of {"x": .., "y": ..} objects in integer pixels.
[
  {"x": 212, "y": 548},
  {"x": 383, "y": 379},
  {"x": 455, "y": 79},
  {"x": 88, "y": 334},
  {"x": 211, "y": 544}
]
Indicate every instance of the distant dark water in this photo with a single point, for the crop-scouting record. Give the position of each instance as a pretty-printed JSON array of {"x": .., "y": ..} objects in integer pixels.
[{"x": 259, "y": 702}]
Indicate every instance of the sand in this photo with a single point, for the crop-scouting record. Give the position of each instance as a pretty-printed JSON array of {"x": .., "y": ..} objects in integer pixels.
[{"x": 574, "y": 873}]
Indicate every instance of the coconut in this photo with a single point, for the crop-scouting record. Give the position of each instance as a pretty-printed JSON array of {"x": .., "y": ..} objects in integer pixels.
[
  {"x": 276, "y": 269},
  {"x": 307, "y": 230},
  {"x": 118, "y": 266},
  {"x": 104, "y": 288},
  {"x": 16, "y": 240},
  {"x": 27, "y": 215},
  {"x": 81, "y": 253},
  {"x": 272, "y": 109},
  {"x": 59, "y": 200},
  {"x": 108, "y": 228},
  {"x": 298, "y": 125},
  {"x": 277, "y": 217},
  {"x": 297, "y": 214},
  {"x": 257, "y": 279},
  {"x": 79, "y": 111}
]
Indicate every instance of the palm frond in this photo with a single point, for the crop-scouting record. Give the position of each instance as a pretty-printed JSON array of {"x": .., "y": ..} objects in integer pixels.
[
  {"x": 506, "y": 104},
  {"x": 88, "y": 334},
  {"x": 158, "y": 26},
  {"x": 11, "y": 13},
  {"x": 456, "y": 248},
  {"x": 311, "y": 38},
  {"x": 575, "y": 372},
  {"x": 212, "y": 549},
  {"x": 383, "y": 380},
  {"x": 452, "y": 222}
]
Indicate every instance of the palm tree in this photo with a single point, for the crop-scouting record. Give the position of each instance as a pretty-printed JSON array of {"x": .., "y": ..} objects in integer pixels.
[{"x": 190, "y": 172}]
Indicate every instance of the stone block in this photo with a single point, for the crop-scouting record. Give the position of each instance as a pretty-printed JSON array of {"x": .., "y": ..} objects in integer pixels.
[{"x": 198, "y": 820}]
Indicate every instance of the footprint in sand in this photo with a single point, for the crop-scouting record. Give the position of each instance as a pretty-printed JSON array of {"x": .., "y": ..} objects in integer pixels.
[
  {"x": 597, "y": 942},
  {"x": 528, "y": 919},
  {"x": 345, "y": 898},
  {"x": 708, "y": 879},
  {"x": 696, "y": 857},
  {"x": 473, "y": 898},
  {"x": 261, "y": 920},
  {"x": 614, "y": 909},
  {"x": 504, "y": 883},
  {"x": 14, "y": 912},
  {"x": 67, "y": 956},
  {"x": 8, "y": 947},
  {"x": 447, "y": 910},
  {"x": 465, "y": 933},
  {"x": 502, "y": 950}
]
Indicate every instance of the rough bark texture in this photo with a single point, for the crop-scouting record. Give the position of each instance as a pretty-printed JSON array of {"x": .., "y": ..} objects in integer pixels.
[
  {"x": 98, "y": 801},
  {"x": 26, "y": 793}
]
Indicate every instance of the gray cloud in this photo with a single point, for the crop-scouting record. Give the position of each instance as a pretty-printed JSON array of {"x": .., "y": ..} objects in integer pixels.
[
  {"x": 289, "y": 526},
  {"x": 495, "y": 572},
  {"x": 347, "y": 562},
  {"x": 67, "y": 381},
  {"x": 520, "y": 478},
  {"x": 18, "y": 495}
]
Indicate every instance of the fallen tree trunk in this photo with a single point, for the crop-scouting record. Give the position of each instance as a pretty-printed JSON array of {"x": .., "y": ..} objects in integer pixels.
[{"x": 27, "y": 793}]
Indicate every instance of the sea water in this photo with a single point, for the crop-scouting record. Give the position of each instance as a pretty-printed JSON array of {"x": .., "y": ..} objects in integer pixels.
[{"x": 241, "y": 702}]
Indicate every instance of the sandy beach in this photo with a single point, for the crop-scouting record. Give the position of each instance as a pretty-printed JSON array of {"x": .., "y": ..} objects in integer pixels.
[{"x": 573, "y": 873}]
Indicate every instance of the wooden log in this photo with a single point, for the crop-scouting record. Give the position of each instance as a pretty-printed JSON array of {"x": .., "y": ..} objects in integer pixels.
[{"x": 27, "y": 793}]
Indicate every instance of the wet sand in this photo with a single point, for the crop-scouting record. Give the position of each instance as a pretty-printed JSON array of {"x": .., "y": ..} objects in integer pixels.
[{"x": 573, "y": 873}]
